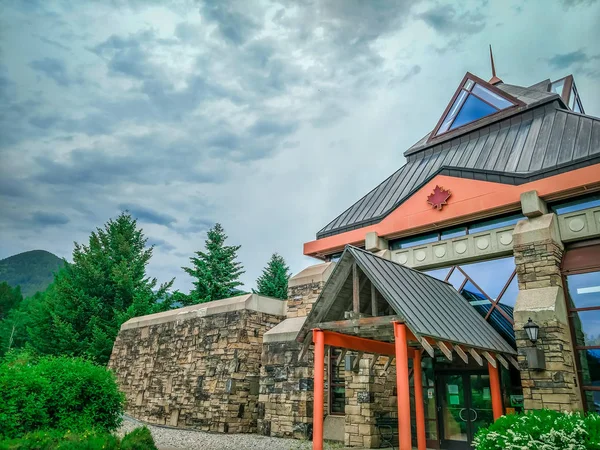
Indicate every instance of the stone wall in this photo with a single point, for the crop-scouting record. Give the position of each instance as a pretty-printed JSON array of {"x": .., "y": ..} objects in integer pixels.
[
  {"x": 199, "y": 372},
  {"x": 538, "y": 254},
  {"x": 304, "y": 288},
  {"x": 286, "y": 391}
]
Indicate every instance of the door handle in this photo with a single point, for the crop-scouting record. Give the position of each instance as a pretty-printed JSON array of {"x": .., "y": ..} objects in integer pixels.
[
  {"x": 474, "y": 412},
  {"x": 460, "y": 414}
]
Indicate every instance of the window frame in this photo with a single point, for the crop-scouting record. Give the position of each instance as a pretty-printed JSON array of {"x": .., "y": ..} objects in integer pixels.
[{"x": 331, "y": 384}]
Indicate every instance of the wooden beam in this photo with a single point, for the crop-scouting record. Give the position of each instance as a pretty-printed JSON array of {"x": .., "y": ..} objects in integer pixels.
[
  {"x": 359, "y": 344},
  {"x": 374, "y": 311},
  {"x": 490, "y": 359},
  {"x": 388, "y": 363},
  {"x": 359, "y": 355},
  {"x": 514, "y": 362},
  {"x": 361, "y": 322},
  {"x": 355, "y": 290},
  {"x": 502, "y": 361},
  {"x": 305, "y": 346},
  {"x": 445, "y": 350},
  {"x": 460, "y": 352},
  {"x": 375, "y": 358},
  {"x": 428, "y": 348},
  {"x": 476, "y": 356},
  {"x": 341, "y": 357}
]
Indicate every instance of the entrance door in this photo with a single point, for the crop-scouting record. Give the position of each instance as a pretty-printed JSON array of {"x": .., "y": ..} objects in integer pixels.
[{"x": 465, "y": 406}]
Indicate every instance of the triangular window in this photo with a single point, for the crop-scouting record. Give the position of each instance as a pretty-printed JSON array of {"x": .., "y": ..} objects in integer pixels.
[{"x": 474, "y": 100}]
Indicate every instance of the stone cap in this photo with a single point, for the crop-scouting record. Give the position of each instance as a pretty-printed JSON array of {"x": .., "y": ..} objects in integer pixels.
[
  {"x": 312, "y": 274},
  {"x": 285, "y": 331},
  {"x": 249, "y": 302}
]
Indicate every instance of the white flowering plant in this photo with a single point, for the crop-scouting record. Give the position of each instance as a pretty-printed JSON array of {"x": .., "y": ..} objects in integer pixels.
[{"x": 541, "y": 430}]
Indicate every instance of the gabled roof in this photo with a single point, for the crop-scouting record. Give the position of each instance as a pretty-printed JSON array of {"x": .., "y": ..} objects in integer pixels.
[
  {"x": 429, "y": 307},
  {"x": 515, "y": 146}
]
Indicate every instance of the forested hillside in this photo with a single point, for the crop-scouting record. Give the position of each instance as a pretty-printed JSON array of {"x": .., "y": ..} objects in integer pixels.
[{"x": 32, "y": 271}]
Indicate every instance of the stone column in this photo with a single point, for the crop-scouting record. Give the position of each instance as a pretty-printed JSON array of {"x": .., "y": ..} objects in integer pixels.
[
  {"x": 304, "y": 288},
  {"x": 360, "y": 430},
  {"x": 538, "y": 253}
]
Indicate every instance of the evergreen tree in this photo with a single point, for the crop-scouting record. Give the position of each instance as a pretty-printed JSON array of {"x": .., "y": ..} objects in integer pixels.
[
  {"x": 216, "y": 271},
  {"x": 274, "y": 279},
  {"x": 9, "y": 298},
  {"x": 106, "y": 284}
]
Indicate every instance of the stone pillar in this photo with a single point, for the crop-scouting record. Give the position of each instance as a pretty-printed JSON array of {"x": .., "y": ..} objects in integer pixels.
[
  {"x": 360, "y": 430},
  {"x": 538, "y": 253},
  {"x": 304, "y": 288}
]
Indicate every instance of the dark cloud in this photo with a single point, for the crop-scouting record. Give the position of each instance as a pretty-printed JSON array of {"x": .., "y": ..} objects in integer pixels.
[
  {"x": 574, "y": 3},
  {"x": 44, "y": 122},
  {"x": 447, "y": 21},
  {"x": 148, "y": 215},
  {"x": 160, "y": 243},
  {"x": 234, "y": 25},
  {"x": 566, "y": 60},
  {"x": 52, "y": 68},
  {"x": 41, "y": 218}
]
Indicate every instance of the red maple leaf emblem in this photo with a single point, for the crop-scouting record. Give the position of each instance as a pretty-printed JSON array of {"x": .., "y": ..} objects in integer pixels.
[{"x": 439, "y": 197}]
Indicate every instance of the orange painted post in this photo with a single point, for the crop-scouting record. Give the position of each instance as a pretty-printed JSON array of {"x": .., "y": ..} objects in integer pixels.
[
  {"x": 403, "y": 387},
  {"x": 419, "y": 407},
  {"x": 319, "y": 388},
  {"x": 495, "y": 388}
]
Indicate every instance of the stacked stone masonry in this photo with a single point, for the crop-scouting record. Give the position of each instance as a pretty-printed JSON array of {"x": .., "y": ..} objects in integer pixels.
[
  {"x": 301, "y": 298},
  {"x": 200, "y": 373}
]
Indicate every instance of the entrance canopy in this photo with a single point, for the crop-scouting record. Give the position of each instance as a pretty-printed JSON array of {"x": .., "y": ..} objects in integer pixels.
[{"x": 365, "y": 293}]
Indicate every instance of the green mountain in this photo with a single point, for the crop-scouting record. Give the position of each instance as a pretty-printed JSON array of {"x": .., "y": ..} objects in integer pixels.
[{"x": 33, "y": 270}]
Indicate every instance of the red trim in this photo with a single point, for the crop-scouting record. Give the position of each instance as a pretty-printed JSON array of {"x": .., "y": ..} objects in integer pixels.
[
  {"x": 471, "y": 199},
  {"x": 359, "y": 344},
  {"x": 403, "y": 386}
]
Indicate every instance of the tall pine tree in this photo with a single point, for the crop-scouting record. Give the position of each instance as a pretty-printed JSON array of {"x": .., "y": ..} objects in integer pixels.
[
  {"x": 83, "y": 309},
  {"x": 216, "y": 271},
  {"x": 274, "y": 279}
]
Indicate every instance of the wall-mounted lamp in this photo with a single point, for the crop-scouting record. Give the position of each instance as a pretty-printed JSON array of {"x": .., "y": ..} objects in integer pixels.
[
  {"x": 532, "y": 329},
  {"x": 536, "y": 359}
]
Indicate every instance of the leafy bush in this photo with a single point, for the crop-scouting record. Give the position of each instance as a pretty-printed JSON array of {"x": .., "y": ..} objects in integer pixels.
[
  {"x": 59, "y": 393},
  {"x": 138, "y": 439},
  {"x": 541, "y": 430}
]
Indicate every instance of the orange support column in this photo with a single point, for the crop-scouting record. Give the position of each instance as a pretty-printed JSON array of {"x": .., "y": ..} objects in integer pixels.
[
  {"x": 419, "y": 407},
  {"x": 495, "y": 391},
  {"x": 319, "y": 388},
  {"x": 405, "y": 441}
]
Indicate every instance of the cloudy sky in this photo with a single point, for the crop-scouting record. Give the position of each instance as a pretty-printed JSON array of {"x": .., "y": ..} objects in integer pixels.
[{"x": 270, "y": 117}]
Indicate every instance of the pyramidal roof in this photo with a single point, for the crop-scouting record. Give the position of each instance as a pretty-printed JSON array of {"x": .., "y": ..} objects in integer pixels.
[{"x": 500, "y": 133}]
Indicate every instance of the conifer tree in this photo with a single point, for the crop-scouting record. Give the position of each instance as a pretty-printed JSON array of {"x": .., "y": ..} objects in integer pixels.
[
  {"x": 216, "y": 271},
  {"x": 274, "y": 279},
  {"x": 82, "y": 310}
]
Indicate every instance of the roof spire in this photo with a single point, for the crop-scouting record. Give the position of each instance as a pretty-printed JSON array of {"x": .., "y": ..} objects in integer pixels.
[{"x": 494, "y": 79}]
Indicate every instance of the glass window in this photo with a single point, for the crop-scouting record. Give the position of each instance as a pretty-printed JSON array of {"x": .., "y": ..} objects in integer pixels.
[
  {"x": 572, "y": 98},
  {"x": 587, "y": 327},
  {"x": 472, "y": 110},
  {"x": 491, "y": 275},
  {"x": 577, "y": 107},
  {"x": 557, "y": 86},
  {"x": 440, "y": 274},
  {"x": 453, "y": 112},
  {"x": 453, "y": 232},
  {"x": 490, "y": 224},
  {"x": 590, "y": 201},
  {"x": 468, "y": 84},
  {"x": 491, "y": 97},
  {"x": 337, "y": 384},
  {"x": 584, "y": 289},
  {"x": 510, "y": 295},
  {"x": 414, "y": 241},
  {"x": 456, "y": 279}
]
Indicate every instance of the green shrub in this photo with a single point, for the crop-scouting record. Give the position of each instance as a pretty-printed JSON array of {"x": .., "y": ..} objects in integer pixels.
[
  {"x": 138, "y": 439},
  {"x": 541, "y": 430},
  {"x": 58, "y": 393}
]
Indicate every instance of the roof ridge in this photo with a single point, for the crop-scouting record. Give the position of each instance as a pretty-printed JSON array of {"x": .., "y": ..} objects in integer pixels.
[{"x": 352, "y": 247}]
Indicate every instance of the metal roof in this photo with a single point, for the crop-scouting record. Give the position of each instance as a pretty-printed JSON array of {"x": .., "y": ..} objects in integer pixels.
[
  {"x": 428, "y": 306},
  {"x": 542, "y": 140}
]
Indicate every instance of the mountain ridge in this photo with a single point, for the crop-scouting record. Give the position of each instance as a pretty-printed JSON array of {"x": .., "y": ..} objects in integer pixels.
[{"x": 33, "y": 270}]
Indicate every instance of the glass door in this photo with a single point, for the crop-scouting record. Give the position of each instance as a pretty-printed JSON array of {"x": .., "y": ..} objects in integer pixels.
[{"x": 465, "y": 406}]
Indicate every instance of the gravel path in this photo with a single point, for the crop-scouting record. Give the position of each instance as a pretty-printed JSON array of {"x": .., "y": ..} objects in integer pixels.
[{"x": 175, "y": 439}]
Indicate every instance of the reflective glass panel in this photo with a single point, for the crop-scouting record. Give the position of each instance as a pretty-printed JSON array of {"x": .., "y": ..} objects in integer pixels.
[
  {"x": 502, "y": 324},
  {"x": 472, "y": 110},
  {"x": 468, "y": 84},
  {"x": 453, "y": 112},
  {"x": 476, "y": 298},
  {"x": 586, "y": 325},
  {"x": 490, "y": 275},
  {"x": 440, "y": 274},
  {"x": 577, "y": 107},
  {"x": 491, "y": 224},
  {"x": 557, "y": 86},
  {"x": 590, "y": 367},
  {"x": 584, "y": 289},
  {"x": 414, "y": 241},
  {"x": 491, "y": 97},
  {"x": 577, "y": 205},
  {"x": 509, "y": 297},
  {"x": 572, "y": 98},
  {"x": 453, "y": 232},
  {"x": 456, "y": 279}
]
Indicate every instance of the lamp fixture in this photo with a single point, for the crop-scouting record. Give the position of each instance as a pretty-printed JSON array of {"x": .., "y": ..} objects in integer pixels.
[{"x": 532, "y": 330}]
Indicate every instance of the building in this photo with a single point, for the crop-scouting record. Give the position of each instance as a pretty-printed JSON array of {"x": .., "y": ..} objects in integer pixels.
[{"x": 423, "y": 300}]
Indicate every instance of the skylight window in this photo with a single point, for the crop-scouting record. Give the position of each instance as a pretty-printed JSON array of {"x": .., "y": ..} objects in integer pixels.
[{"x": 473, "y": 102}]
